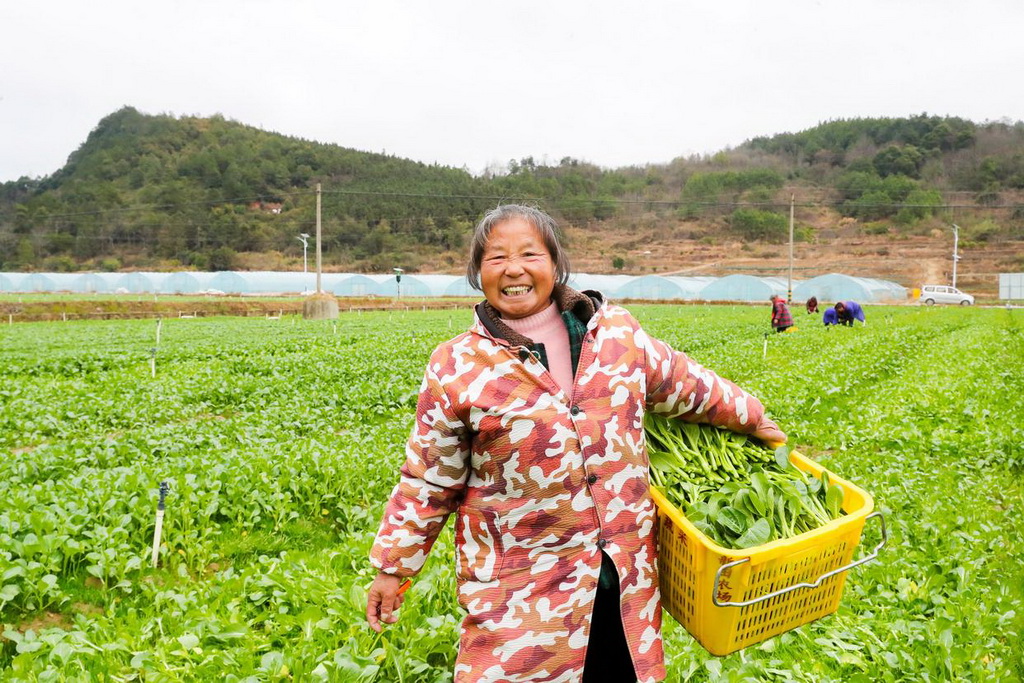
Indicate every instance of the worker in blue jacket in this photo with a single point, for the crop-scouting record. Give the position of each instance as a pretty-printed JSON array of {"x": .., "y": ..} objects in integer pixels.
[
  {"x": 830, "y": 317},
  {"x": 848, "y": 311}
]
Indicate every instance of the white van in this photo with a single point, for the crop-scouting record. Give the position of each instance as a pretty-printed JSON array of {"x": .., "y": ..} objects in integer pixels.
[{"x": 941, "y": 294}]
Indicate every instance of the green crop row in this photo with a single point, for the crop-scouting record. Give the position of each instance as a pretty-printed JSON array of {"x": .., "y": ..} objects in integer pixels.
[{"x": 281, "y": 441}]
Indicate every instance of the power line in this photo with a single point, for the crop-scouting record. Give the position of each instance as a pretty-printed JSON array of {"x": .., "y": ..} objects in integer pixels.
[{"x": 156, "y": 207}]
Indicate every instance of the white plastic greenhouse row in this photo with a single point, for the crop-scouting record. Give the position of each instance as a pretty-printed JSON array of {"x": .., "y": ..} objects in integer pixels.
[{"x": 826, "y": 288}]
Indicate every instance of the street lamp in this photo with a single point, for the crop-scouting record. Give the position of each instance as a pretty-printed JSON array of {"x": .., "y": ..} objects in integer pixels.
[
  {"x": 398, "y": 280},
  {"x": 956, "y": 257},
  {"x": 304, "y": 237}
]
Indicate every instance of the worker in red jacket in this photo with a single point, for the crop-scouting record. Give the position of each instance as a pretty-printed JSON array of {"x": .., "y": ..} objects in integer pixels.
[{"x": 781, "y": 318}]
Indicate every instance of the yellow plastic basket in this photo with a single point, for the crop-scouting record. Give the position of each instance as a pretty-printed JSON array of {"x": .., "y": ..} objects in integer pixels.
[{"x": 729, "y": 599}]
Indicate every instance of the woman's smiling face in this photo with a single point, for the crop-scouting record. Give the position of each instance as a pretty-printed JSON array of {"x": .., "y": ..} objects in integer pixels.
[{"x": 516, "y": 272}]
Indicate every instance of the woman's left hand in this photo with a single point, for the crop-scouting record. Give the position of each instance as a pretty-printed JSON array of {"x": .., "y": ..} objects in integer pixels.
[{"x": 768, "y": 432}]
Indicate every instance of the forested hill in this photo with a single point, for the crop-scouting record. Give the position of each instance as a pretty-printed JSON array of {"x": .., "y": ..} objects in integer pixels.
[{"x": 163, "y": 192}]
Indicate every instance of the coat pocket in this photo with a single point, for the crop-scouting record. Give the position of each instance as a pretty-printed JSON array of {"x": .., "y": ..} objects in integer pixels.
[{"x": 478, "y": 545}]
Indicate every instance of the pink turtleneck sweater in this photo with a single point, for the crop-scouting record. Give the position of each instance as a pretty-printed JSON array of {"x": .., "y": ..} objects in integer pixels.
[{"x": 548, "y": 328}]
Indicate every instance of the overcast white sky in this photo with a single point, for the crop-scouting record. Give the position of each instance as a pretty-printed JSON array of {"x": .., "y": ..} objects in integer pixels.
[{"x": 476, "y": 83}]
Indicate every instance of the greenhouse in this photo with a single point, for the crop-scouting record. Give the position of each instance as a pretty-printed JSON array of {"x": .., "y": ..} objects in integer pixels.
[
  {"x": 182, "y": 283},
  {"x": 780, "y": 284},
  {"x": 437, "y": 284},
  {"x": 832, "y": 287},
  {"x": 359, "y": 285},
  {"x": 662, "y": 287},
  {"x": 230, "y": 282},
  {"x": 691, "y": 286},
  {"x": 137, "y": 283},
  {"x": 608, "y": 285},
  {"x": 89, "y": 283},
  {"x": 36, "y": 282},
  {"x": 460, "y": 287},
  {"x": 61, "y": 282},
  {"x": 742, "y": 288},
  {"x": 409, "y": 286},
  {"x": 838, "y": 287},
  {"x": 651, "y": 287},
  {"x": 286, "y": 282}
]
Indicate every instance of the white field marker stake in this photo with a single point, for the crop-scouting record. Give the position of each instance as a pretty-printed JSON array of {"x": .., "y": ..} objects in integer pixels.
[
  {"x": 765, "y": 354},
  {"x": 159, "y": 523},
  {"x": 159, "y": 324}
]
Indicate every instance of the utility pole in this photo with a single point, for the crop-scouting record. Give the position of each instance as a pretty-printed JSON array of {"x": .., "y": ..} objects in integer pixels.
[
  {"x": 956, "y": 257},
  {"x": 318, "y": 253},
  {"x": 792, "y": 204},
  {"x": 319, "y": 305}
]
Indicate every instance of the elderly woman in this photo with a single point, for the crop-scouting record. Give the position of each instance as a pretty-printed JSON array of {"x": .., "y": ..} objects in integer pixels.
[
  {"x": 782, "y": 320},
  {"x": 530, "y": 429}
]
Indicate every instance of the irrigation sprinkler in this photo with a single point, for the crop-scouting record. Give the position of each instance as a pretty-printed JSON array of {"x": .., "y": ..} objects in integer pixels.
[
  {"x": 765, "y": 353},
  {"x": 158, "y": 530},
  {"x": 152, "y": 362},
  {"x": 159, "y": 324},
  {"x": 398, "y": 280}
]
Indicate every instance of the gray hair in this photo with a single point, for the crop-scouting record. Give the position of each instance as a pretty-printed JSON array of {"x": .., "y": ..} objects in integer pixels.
[{"x": 545, "y": 225}]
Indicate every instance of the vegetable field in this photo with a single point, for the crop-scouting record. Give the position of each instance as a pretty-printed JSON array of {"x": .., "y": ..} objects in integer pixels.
[{"x": 281, "y": 439}]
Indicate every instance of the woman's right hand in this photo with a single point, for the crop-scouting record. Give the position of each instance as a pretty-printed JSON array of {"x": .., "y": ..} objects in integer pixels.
[{"x": 383, "y": 600}]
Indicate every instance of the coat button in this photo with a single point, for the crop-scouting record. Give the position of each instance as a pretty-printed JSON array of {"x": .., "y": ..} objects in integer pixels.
[
  {"x": 602, "y": 543},
  {"x": 575, "y": 410},
  {"x": 592, "y": 479}
]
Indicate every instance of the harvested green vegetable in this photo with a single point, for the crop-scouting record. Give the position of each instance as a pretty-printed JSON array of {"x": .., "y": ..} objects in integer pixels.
[{"x": 736, "y": 491}]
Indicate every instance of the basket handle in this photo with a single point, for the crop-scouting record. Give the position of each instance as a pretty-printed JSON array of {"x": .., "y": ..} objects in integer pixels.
[{"x": 814, "y": 584}]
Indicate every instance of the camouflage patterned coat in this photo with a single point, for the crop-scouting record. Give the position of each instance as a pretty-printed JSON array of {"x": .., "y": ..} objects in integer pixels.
[{"x": 541, "y": 482}]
